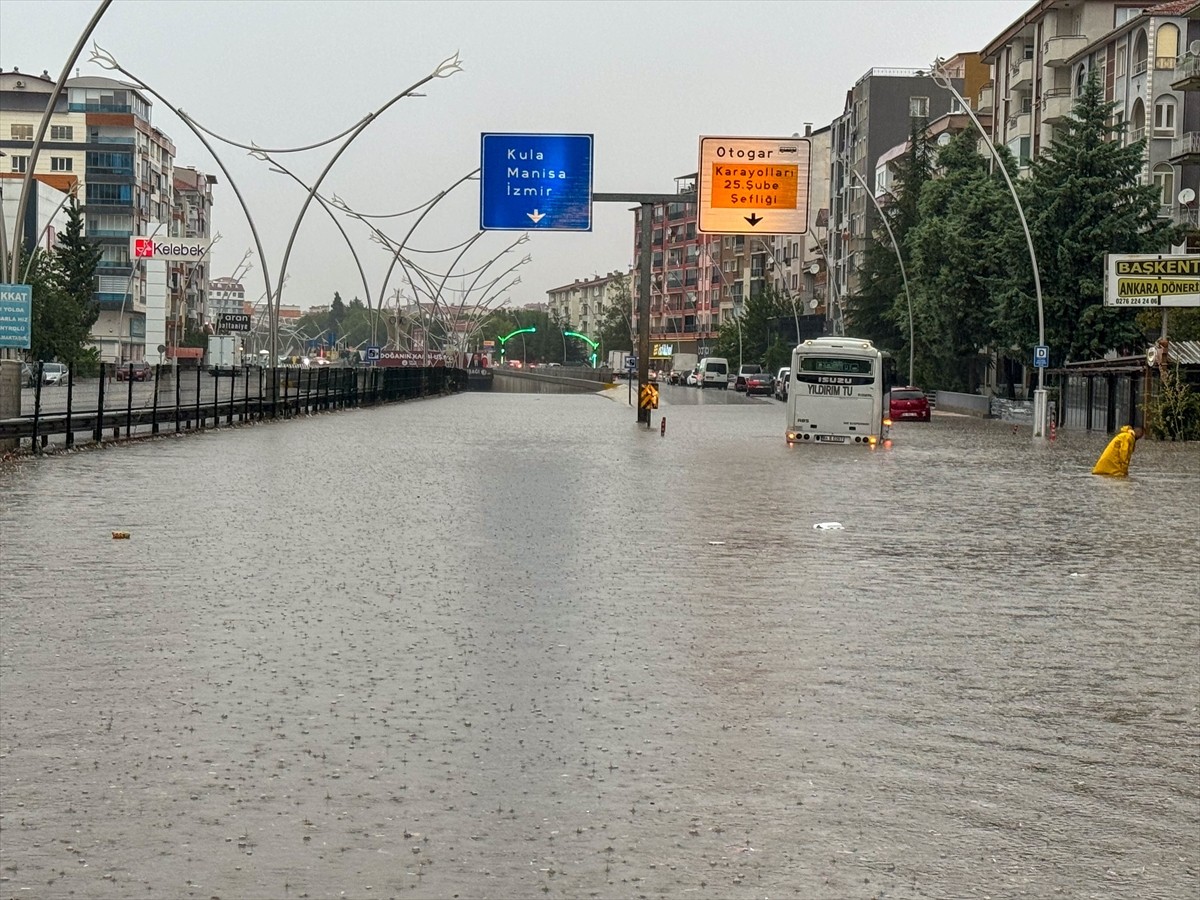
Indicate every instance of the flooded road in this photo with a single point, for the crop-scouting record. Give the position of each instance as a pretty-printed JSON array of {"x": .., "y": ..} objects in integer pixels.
[{"x": 514, "y": 646}]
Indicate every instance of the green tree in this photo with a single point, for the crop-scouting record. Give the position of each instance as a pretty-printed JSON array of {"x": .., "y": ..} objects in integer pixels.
[
  {"x": 616, "y": 327},
  {"x": 1084, "y": 199},
  {"x": 878, "y": 311},
  {"x": 765, "y": 332},
  {"x": 337, "y": 310},
  {"x": 64, "y": 305},
  {"x": 961, "y": 244}
]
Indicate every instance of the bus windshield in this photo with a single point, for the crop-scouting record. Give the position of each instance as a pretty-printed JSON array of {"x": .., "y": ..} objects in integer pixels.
[{"x": 836, "y": 365}]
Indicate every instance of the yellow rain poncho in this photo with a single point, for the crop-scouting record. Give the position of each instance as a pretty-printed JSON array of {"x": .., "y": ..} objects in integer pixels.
[{"x": 1116, "y": 456}]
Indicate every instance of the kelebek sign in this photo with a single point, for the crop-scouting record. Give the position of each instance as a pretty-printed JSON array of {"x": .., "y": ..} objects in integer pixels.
[
  {"x": 170, "y": 249},
  {"x": 753, "y": 185}
]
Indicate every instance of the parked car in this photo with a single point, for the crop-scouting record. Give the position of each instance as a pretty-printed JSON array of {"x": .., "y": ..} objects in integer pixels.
[
  {"x": 135, "y": 371},
  {"x": 781, "y": 383},
  {"x": 758, "y": 383},
  {"x": 908, "y": 403},
  {"x": 54, "y": 373},
  {"x": 739, "y": 382}
]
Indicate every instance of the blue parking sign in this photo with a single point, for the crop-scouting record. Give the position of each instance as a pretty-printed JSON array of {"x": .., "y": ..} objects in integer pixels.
[{"x": 1041, "y": 356}]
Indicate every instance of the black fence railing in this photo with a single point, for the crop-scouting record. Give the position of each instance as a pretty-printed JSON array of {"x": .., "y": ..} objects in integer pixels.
[{"x": 135, "y": 401}]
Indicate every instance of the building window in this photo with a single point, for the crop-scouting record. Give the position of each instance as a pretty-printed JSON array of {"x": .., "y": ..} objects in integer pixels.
[
  {"x": 1164, "y": 116},
  {"x": 61, "y": 164},
  {"x": 22, "y": 132},
  {"x": 1122, "y": 52},
  {"x": 1123, "y": 14},
  {"x": 1164, "y": 180},
  {"x": 20, "y": 163},
  {"x": 918, "y": 107},
  {"x": 1139, "y": 53},
  {"x": 1166, "y": 46},
  {"x": 1027, "y": 50},
  {"x": 61, "y": 132}
]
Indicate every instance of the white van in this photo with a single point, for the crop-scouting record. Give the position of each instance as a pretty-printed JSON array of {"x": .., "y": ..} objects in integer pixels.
[{"x": 714, "y": 372}]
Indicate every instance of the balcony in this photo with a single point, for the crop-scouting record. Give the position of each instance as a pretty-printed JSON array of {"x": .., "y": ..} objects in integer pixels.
[
  {"x": 985, "y": 97},
  {"x": 1018, "y": 124},
  {"x": 1186, "y": 150},
  {"x": 1187, "y": 74},
  {"x": 1057, "y": 50},
  {"x": 1020, "y": 75},
  {"x": 1056, "y": 105}
]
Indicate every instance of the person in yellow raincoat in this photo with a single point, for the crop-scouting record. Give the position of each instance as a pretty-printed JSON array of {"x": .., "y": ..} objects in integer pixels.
[{"x": 1116, "y": 456}]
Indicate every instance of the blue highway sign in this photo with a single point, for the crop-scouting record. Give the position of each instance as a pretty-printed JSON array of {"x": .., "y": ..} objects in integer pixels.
[{"x": 539, "y": 182}]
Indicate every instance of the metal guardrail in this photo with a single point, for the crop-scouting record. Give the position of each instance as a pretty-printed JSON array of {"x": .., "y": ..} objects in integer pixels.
[{"x": 253, "y": 394}]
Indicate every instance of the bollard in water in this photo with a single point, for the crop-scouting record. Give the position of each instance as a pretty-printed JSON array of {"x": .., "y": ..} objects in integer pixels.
[{"x": 662, "y": 427}]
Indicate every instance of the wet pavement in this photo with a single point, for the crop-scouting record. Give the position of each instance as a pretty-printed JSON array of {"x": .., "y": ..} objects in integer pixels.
[{"x": 515, "y": 646}]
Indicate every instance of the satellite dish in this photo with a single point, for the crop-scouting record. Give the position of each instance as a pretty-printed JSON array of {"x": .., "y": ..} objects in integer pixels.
[
  {"x": 1194, "y": 46},
  {"x": 813, "y": 269},
  {"x": 943, "y": 139},
  {"x": 1152, "y": 356},
  {"x": 813, "y": 303},
  {"x": 1186, "y": 196}
]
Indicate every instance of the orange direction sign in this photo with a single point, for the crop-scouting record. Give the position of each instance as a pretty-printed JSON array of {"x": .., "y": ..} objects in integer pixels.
[{"x": 753, "y": 185}]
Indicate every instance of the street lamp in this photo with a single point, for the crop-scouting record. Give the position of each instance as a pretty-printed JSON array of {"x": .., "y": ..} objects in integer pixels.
[
  {"x": 585, "y": 338},
  {"x": 1039, "y": 396},
  {"x": 504, "y": 340},
  {"x": 903, "y": 274}
]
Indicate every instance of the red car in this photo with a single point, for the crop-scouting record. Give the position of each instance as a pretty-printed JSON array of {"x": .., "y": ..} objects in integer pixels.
[
  {"x": 908, "y": 403},
  {"x": 135, "y": 371},
  {"x": 759, "y": 383}
]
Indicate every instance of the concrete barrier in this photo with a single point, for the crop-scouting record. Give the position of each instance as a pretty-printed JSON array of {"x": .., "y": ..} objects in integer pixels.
[
  {"x": 541, "y": 381},
  {"x": 964, "y": 404}
]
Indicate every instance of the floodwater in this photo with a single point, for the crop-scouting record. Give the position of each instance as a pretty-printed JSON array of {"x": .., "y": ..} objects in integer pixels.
[{"x": 515, "y": 646}]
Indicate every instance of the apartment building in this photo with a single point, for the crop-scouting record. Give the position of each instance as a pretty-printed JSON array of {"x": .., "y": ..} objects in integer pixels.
[
  {"x": 796, "y": 266},
  {"x": 101, "y": 140},
  {"x": 1033, "y": 72},
  {"x": 191, "y": 217},
  {"x": 878, "y": 115},
  {"x": 695, "y": 282},
  {"x": 1185, "y": 149},
  {"x": 581, "y": 305}
]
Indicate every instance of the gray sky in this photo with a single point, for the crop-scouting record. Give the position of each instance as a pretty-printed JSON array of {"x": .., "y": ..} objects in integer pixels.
[{"x": 646, "y": 78}]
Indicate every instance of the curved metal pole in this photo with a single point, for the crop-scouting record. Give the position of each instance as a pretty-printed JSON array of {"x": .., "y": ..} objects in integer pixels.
[
  {"x": 349, "y": 244},
  {"x": 903, "y": 274},
  {"x": 43, "y": 126},
  {"x": 105, "y": 60},
  {"x": 444, "y": 69},
  {"x": 38, "y": 243},
  {"x": 434, "y": 202},
  {"x": 1039, "y": 402}
]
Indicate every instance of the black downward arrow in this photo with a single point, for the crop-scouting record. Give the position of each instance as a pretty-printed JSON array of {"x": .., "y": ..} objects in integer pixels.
[{"x": 753, "y": 218}]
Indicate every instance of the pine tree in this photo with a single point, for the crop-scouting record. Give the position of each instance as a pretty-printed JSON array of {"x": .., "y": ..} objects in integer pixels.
[
  {"x": 1085, "y": 199},
  {"x": 964, "y": 241},
  {"x": 67, "y": 308}
]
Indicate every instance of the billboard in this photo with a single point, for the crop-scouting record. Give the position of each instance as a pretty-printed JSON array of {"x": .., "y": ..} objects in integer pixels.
[
  {"x": 16, "y": 311},
  {"x": 1151, "y": 279}
]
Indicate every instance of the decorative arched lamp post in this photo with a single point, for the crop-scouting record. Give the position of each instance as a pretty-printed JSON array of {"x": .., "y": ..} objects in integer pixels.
[
  {"x": 1039, "y": 397},
  {"x": 903, "y": 274},
  {"x": 504, "y": 340}
]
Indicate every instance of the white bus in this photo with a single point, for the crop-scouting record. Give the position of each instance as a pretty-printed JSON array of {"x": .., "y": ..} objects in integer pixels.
[{"x": 837, "y": 393}]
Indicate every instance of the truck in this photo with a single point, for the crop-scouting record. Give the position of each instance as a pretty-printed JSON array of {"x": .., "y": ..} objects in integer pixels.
[
  {"x": 681, "y": 365},
  {"x": 618, "y": 361},
  {"x": 222, "y": 358}
]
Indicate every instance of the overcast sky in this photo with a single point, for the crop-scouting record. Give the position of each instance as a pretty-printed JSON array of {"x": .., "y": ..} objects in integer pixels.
[{"x": 646, "y": 78}]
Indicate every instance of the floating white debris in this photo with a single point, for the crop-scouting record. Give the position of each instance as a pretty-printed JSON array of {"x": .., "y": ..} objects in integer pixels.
[
  {"x": 829, "y": 526},
  {"x": 716, "y": 543},
  {"x": 1077, "y": 575}
]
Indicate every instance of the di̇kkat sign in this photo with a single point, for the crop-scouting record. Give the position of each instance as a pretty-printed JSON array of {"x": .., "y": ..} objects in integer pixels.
[
  {"x": 1151, "y": 280},
  {"x": 16, "y": 313}
]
